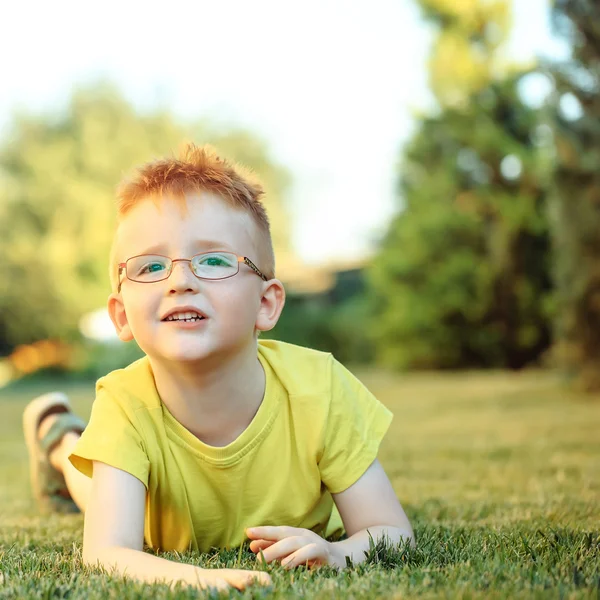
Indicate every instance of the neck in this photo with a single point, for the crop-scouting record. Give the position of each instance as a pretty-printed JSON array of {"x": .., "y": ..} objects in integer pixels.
[{"x": 215, "y": 401}]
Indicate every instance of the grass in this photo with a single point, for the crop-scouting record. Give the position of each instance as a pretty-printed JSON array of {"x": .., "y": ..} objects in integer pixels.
[{"x": 498, "y": 472}]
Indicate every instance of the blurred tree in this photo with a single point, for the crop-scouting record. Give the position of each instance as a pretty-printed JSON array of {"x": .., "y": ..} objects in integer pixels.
[
  {"x": 576, "y": 183},
  {"x": 462, "y": 276},
  {"x": 58, "y": 175},
  {"x": 466, "y": 54},
  {"x": 332, "y": 320}
]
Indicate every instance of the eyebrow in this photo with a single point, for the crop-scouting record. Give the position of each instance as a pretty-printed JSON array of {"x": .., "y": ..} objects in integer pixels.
[{"x": 199, "y": 244}]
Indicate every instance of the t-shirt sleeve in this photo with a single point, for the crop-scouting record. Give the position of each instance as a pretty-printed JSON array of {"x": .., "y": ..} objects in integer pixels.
[
  {"x": 111, "y": 437},
  {"x": 356, "y": 425}
]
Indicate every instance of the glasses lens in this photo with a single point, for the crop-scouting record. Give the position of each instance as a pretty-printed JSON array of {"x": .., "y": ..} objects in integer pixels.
[
  {"x": 215, "y": 265},
  {"x": 148, "y": 268}
]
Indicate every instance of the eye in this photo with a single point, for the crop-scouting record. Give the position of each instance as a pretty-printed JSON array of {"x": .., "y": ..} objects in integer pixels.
[
  {"x": 215, "y": 260},
  {"x": 151, "y": 267}
]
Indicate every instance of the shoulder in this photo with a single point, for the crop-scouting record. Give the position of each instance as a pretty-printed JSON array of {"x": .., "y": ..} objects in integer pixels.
[
  {"x": 317, "y": 376},
  {"x": 302, "y": 371},
  {"x": 132, "y": 387}
]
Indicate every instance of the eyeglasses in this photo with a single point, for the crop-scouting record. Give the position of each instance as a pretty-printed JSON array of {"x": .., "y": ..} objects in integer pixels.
[{"x": 148, "y": 268}]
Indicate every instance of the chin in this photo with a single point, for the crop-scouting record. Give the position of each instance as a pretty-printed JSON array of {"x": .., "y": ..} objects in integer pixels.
[
  {"x": 178, "y": 355},
  {"x": 200, "y": 354},
  {"x": 197, "y": 351},
  {"x": 188, "y": 356}
]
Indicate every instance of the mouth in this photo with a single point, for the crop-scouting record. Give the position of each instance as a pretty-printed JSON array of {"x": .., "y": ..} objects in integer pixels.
[{"x": 184, "y": 316}]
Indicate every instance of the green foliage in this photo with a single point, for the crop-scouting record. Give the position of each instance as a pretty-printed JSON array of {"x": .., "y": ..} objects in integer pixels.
[
  {"x": 464, "y": 60},
  {"x": 333, "y": 321},
  {"x": 498, "y": 473},
  {"x": 317, "y": 321},
  {"x": 96, "y": 359},
  {"x": 57, "y": 216},
  {"x": 462, "y": 278},
  {"x": 348, "y": 322},
  {"x": 576, "y": 188}
]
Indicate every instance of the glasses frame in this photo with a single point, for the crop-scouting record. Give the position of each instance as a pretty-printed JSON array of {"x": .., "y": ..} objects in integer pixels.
[{"x": 240, "y": 259}]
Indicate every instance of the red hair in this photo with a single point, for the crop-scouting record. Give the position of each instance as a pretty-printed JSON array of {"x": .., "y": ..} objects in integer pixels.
[{"x": 198, "y": 169}]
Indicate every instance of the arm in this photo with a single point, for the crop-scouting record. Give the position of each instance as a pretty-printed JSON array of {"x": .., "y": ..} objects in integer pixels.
[
  {"x": 113, "y": 537},
  {"x": 369, "y": 507}
]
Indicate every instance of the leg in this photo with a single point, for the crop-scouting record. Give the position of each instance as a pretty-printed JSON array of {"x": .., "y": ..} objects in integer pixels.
[
  {"x": 51, "y": 431},
  {"x": 77, "y": 483}
]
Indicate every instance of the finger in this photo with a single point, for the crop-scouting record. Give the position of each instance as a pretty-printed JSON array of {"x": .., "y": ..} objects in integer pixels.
[
  {"x": 218, "y": 584},
  {"x": 258, "y": 545},
  {"x": 308, "y": 555},
  {"x": 273, "y": 533},
  {"x": 207, "y": 583},
  {"x": 283, "y": 548},
  {"x": 241, "y": 579},
  {"x": 213, "y": 583}
]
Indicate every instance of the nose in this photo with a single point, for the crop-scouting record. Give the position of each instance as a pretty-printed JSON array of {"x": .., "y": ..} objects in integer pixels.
[{"x": 182, "y": 279}]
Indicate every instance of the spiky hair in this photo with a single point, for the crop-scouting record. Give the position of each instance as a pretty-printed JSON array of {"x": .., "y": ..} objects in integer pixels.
[{"x": 197, "y": 169}]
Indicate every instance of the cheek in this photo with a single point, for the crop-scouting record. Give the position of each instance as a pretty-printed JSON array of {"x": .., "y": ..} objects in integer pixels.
[
  {"x": 139, "y": 310},
  {"x": 239, "y": 306}
]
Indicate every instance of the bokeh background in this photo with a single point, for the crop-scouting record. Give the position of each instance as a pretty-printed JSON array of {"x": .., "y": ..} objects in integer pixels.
[
  {"x": 433, "y": 181},
  {"x": 432, "y": 170}
]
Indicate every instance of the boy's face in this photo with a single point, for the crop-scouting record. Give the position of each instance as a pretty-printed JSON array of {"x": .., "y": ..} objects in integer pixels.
[{"x": 232, "y": 307}]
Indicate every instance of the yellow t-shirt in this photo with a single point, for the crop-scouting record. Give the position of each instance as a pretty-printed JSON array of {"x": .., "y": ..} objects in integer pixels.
[{"x": 316, "y": 432}]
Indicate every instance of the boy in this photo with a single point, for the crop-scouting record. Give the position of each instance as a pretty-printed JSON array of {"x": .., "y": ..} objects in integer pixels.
[{"x": 213, "y": 437}]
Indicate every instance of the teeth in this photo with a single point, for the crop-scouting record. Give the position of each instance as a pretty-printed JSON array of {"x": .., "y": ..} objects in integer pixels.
[{"x": 184, "y": 316}]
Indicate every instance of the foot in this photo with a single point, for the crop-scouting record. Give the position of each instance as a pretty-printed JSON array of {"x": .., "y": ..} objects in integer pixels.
[
  {"x": 46, "y": 421},
  {"x": 54, "y": 455}
]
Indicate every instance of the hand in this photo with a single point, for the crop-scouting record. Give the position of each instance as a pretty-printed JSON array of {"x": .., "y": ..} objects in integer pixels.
[
  {"x": 292, "y": 546},
  {"x": 224, "y": 579}
]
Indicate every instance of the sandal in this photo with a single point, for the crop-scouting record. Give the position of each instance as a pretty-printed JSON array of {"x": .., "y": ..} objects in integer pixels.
[{"x": 48, "y": 485}]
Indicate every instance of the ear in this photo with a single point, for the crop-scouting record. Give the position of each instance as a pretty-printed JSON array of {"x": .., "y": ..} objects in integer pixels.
[
  {"x": 271, "y": 305},
  {"x": 116, "y": 310}
]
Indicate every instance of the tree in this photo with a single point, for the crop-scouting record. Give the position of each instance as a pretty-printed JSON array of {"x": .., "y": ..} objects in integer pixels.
[
  {"x": 56, "y": 211},
  {"x": 465, "y": 56},
  {"x": 462, "y": 276},
  {"x": 576, "y": 203}
]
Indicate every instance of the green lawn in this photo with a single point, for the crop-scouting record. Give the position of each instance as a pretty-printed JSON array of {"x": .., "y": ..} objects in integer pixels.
[{"x": 499, "y": 474}]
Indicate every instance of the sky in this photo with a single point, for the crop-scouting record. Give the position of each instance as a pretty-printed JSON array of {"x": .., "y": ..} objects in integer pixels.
[{"x": 330, "y": 84}]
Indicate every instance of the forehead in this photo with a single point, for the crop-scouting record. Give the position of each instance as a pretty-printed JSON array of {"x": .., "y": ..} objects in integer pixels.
[{"x": 201, "y": 222}]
